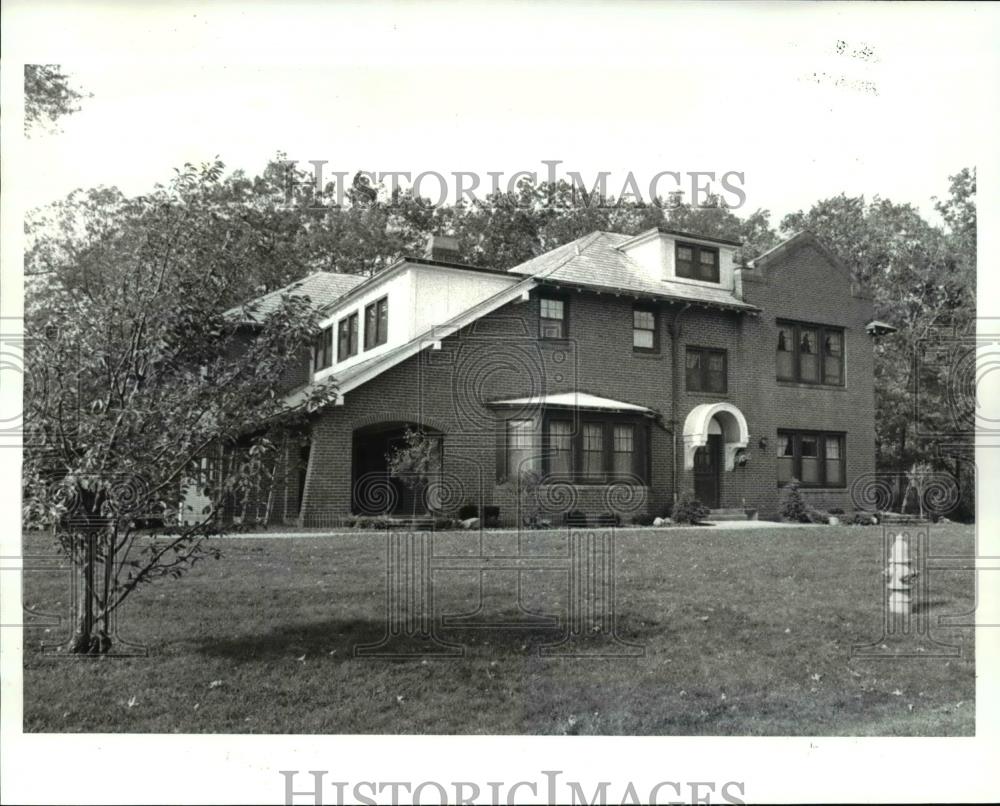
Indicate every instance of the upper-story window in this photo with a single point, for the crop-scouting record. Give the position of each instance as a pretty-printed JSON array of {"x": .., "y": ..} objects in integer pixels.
[
  {"x": 697, "y": 262},
  {"x": 347, "y": 337},
  {"x": 323, "y": 349},
  {"x": 645, "y": 334},
  {"x": 376, "y": 323},
  {"x": 705, "y": 370},
  {"x": 551, "y": 318},
  {"x": 810, "y": 353}
]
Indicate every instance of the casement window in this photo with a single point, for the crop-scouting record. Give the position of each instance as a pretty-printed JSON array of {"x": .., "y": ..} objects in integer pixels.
[
  {"x": 323, "y": 349},
  {"x": 815, "y": 458},
  {"x": 376, "y": 323},
  {"x": 696, "y": 262},
  {"x": 810, "y": 353},
  {"x": 551, "y": 318},
  {"x": 522, "y": 447},
  {"x": 645, "y": 333},
  {"x": 594, "y": 451},
  {"x": 347, "y": 337},
  {"x": 705, "y": 370}
]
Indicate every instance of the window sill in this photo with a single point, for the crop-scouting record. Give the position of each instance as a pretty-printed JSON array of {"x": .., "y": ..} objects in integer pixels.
[
  {"x": 825, "y": 387},
  {"x": 647, "y": 354},
  {"x": 810, "y": 488},
  {"x": 720, "y": 395},
  {"x": 623, "y": 482}
]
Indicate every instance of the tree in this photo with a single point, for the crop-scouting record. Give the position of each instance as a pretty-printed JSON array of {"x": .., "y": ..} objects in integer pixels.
[
  {"x": 416, "y": 462},
  {"x": 136, "y": 372},
  {"x": 48, "y": 95}
]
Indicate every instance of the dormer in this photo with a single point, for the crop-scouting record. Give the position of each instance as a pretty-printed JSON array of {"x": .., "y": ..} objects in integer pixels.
[{"x": 664, "y": 255}]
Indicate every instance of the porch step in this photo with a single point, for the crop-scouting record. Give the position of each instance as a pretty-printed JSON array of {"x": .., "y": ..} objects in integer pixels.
[{"x": 732, "y": 514}]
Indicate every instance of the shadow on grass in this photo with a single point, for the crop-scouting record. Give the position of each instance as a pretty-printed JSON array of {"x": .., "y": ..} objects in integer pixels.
[{"x": 341, "y": 639}]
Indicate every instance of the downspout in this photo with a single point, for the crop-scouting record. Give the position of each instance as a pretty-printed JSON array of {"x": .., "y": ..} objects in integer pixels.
[{"x": 675, "y": 334}]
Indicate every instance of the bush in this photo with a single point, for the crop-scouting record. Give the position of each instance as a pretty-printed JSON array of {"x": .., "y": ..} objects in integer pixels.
[
  {"x": 836, "y": 511},
  {"x": 817, "y": 516},
  {"x": 491, "y": 516},
  {"x": 643, "y": 519},
  {"x": 444, "y": 523},
  {"x": 575, "y": 518},
  {"x": 791, "y": 505},
  {"x": 690, "y": 510},
  {"x": 608, "y": 519},
  {"x": 467, "y": 511}
]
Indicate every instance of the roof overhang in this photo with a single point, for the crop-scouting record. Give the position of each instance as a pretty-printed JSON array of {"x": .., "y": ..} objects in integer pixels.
[
  {"x": 581, "y": 401},
  {"x": 636, "y": 293}
]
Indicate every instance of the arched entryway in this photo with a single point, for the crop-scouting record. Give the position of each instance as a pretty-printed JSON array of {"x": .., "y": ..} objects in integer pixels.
[
  {"x": 713, "y": 434},
  {"x": 374, "y": 491}
]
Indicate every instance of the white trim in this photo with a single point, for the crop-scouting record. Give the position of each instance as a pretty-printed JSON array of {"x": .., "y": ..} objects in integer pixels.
[{"x": 696, "y": 431}]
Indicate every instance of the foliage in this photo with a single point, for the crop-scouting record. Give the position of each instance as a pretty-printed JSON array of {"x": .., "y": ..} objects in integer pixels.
[
  {"x": 525, "y": 488},
  {"x": 690, "y": 510},
  {"x": 791, "y": 504},
  {"x": 48, "y": 95},
  {"x": 575, "y": 517},
  {"x": 416, "y": 462},
  {"x": 135, "y": 372},
  {"x": 643, "y": 519}
]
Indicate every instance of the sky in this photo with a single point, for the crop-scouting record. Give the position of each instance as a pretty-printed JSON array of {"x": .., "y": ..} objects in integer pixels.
[{"x": 805, "y": 101}]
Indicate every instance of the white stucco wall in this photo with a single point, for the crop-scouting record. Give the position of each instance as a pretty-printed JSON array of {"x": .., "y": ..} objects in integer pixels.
[
  {"x": 420, "y": 297},
  {"x": 655, "y": 256}
]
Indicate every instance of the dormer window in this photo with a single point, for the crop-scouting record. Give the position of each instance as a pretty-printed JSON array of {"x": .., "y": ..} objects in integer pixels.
[
  {"x": 696, "y": 262},
  {"x": 376, "y": 323},
  {"x": 323, "y": 349}
]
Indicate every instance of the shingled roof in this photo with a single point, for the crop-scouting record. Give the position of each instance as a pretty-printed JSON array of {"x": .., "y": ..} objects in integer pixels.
[
  {"x": 595, "y": 261},
  {"x": 322, "y": 288}
]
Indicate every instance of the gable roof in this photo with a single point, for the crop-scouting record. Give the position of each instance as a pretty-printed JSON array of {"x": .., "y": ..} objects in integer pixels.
[
  {"x": 798, "y": 241},
  {"x": 596, "y": 261},
  {"x": 322, "y": 288}
]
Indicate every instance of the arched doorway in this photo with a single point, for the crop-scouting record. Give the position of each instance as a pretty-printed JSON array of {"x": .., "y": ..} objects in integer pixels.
[
  {"x": 713, "y": 434},
  {"x": 374, "y": 491}
]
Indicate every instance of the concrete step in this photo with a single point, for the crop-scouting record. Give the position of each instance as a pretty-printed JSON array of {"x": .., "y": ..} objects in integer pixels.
[{"x": 723, "y": 514}]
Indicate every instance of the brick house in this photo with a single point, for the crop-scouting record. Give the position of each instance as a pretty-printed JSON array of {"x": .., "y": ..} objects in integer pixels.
[{"x": 625, "y": 370}]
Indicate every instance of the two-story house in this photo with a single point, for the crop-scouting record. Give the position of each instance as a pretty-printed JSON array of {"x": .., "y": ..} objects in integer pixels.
[{"x": 624, "y": 370}]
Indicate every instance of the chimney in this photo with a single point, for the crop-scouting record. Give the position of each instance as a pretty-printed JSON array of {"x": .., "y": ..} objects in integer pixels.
[{"x": 443, "y": 248}]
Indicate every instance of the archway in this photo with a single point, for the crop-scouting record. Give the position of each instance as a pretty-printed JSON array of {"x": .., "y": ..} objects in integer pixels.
[
  {"x": 373, "y": 490},
  {"x": 726, "y": 418}
]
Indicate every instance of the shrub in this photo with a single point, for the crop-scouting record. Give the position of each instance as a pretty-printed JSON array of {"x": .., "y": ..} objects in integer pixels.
[
  {"x": 836, "y": 511},
  {"x": 575, "y": 518},
  {"x": 491, "y": 516},
  {"x": 817, "y": 516},
  {"x": 689, "y": 510},
  {"x": 791, "y": 505},
  {"x": 643, "y": 519},
  {"x": 444, "y": 523},
  {"x": 467, "y": 511}
]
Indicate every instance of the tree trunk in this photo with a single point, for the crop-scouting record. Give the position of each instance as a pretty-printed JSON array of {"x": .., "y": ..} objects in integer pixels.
[{"x": 83, "y": 637}]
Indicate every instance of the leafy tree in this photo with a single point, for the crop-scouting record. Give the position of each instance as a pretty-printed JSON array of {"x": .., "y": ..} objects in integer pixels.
[
  {"x": 48, "y": 95},
  {"x": 136, "y": 372},
  {"x": 416, "y": 462}
]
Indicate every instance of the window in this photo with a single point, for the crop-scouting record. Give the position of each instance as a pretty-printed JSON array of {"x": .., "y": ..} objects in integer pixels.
[
  {"x": 705, "y": 370},
  {"x": 645, "y": 334},
  {"x": 623, "y": 456},
  {"x": 810, "y": 354},
  {"x": 697, "y": 262},
  {"x": 560, "y": 455},
  {"x": 347, "y": 337},
  {"x": 522, "y": 453},
  {"x": 323, "y": 349},
  {"x": 551, "y": 318},
  {"x": 592, "y": 452},
  {"x": 814, "y": 458},
  {"x": 377, "y": 323}
]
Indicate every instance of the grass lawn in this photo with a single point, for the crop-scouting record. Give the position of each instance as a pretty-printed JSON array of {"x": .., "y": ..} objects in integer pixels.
[{"x": 744, "y": 633}]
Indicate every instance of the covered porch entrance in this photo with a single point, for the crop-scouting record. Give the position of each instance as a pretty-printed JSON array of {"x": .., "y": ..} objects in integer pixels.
[{"x": 374, "y": 491}]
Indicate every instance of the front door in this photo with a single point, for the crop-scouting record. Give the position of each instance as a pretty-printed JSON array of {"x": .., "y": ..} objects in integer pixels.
[{"x": 706, "y": 471}]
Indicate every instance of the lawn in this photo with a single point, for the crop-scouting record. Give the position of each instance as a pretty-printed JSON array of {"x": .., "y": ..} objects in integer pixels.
[{"x": 743, "y": 633}]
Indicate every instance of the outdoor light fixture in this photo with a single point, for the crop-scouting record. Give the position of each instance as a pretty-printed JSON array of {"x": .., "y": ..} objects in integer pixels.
[{"x": 762, "y": 444}]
